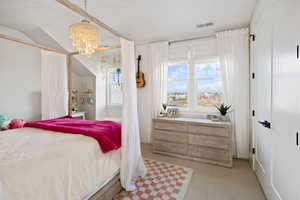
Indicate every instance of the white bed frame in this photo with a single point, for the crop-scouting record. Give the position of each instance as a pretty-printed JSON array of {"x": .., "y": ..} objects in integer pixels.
[
  {"x": 109, "y": 190},
  {"x": 113, "y": 187}
]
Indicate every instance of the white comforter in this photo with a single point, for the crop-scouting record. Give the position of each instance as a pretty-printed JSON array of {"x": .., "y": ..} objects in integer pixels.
[{"x": 43, "y": 165}]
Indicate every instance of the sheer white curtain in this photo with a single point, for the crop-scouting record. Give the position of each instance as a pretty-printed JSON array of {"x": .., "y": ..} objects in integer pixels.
[
  {"x": 132, "y": 164},
  {"x": 54, "y": 85},
  {"x": 158, "y": 61},
  {"x": 233, "y": 52}
]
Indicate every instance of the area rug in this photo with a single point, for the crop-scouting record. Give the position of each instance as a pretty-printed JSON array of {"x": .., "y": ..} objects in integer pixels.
[{"x": 163, "y": 181}]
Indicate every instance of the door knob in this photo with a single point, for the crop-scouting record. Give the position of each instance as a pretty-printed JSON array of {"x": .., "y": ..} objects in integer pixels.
[{"x": 265, "y": 123}]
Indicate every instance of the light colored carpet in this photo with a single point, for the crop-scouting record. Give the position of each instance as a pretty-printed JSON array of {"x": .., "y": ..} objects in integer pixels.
[
  {"x": 163, "y": 181},
  {"x": 210, "y": 182}
]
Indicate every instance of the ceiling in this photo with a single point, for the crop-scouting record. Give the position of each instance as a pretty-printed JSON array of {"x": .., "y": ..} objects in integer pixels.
[
  {"x": 140, "y": 20},
  {"x": 154, "y": 20},
  {"x": 47, "y": 22}
]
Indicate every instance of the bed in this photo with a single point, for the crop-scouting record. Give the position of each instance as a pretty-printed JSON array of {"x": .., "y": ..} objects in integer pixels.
[{"x": 39, "y": 164}]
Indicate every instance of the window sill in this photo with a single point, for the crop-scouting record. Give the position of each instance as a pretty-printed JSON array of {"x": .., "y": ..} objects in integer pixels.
[
  {"x": 196, "y": 114},
  {"x": 108, "y": 106}
]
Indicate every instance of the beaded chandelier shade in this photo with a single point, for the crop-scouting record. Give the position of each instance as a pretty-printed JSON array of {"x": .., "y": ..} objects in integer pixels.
[{"x": 85, "y": 36}]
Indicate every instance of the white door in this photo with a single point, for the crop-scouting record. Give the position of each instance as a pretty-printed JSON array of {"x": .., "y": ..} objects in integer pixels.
[
  {"x": 285, "y": 177},
  {"x": 262, "y": 61}
]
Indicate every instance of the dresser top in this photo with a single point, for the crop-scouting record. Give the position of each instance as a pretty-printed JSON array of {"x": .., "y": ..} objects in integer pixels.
[{"x": 202, "y": 121}]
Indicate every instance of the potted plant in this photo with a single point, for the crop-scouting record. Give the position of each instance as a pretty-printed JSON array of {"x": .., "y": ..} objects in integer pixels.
[{"x": 223, "y": 109}]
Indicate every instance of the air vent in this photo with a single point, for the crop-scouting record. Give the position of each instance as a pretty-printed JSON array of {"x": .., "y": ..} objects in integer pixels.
[{"x": 204, "y": 25}]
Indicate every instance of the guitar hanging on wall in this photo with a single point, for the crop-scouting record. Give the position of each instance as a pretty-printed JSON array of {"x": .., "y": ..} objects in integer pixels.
[{"x": 140, "y": 79}]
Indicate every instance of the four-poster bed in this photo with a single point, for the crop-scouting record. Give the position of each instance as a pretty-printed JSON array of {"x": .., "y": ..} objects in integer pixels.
[
  {"x": 131, "y": 164},
  {"x": 106, "y": 188}
]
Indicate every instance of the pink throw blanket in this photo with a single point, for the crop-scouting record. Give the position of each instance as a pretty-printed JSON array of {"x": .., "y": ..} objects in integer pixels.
[{"x": 107, "y": 133}]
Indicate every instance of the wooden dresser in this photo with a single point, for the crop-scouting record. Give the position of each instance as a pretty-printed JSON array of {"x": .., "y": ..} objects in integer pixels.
[{"x": 195, "y": 139}]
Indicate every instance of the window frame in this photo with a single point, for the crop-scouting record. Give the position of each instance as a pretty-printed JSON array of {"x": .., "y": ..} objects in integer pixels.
[
  {"x": 192, "y": 106},
  {"x": 108, "y": 87},
  {"x": 178, "y": 62},
  {"x": 203, "y": 61}
]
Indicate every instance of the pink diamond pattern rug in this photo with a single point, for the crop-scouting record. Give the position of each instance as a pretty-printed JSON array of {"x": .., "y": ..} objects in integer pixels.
[{"x": 163, "y": 181}]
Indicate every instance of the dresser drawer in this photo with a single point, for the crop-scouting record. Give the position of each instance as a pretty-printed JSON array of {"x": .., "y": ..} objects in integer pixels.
[
  {"x": 170, "y": 147},
  {"x": 210, "y": 141},
  {"x": 207, "y": 130},
  {"x": 170, "y": 136},
  {"x": 170, "y": 126},
  {"x": 209, "y": 153}
]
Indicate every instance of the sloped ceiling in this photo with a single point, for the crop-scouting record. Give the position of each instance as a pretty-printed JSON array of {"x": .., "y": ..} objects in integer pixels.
[
  {"x": 41, "y": 37},
  {"x": 48, "y": 15},
  {"x": 47, "y": 22}
]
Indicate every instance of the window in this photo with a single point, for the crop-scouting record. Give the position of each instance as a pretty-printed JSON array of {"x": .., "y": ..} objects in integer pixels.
[
  {"x": 209, "y": 84},
  {"x": 177, "y": 85},
  {"x": 114, "y": 92},
  {"x": 194, "y": 86}
]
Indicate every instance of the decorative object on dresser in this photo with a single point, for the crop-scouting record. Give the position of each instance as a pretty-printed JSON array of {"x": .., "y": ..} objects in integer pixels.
[
  {"x": 212, "y": 117},
  {"x": 172, "y": 112},
  {"x": 194, "y": 139},
  {"x": 223, "y": 109},
  {"x": 163, "y": 112}
]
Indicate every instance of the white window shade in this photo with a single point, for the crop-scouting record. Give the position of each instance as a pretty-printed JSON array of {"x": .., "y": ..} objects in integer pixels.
[
  {"x": 206, "y": 48},
  {"x": 202, "y": 48},
  {"x": 179, "y": 52}
]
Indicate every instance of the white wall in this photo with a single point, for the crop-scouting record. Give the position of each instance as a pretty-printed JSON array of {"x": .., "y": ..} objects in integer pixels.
[
  {"x": 82, "y": 84},
  {"x": 145, "y": 95},
  {"x": 200, "y": 49},
  {"x": 20, "y": 78},
  {"x": 76, "y": 85}
]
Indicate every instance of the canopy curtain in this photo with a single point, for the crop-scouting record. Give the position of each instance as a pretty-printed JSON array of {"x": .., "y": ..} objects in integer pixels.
[
  {"x": 54, "y": 85},
  {"x": 159, "y": 53},
  {"x": 233, "y": 52},
  {"x": 132, "y": 164}
]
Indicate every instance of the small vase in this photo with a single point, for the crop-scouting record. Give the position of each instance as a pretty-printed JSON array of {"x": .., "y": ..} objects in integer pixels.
[
  {"x": 163, "y": 113},
  {"x": 223, "y": 118}
]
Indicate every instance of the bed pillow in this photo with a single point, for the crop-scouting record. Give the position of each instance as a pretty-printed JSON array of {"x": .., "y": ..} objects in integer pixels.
[
  {"x": 16, "y": 123},
  {"x": 5, "y": 125},
  {"x": 3, "y": 119}
]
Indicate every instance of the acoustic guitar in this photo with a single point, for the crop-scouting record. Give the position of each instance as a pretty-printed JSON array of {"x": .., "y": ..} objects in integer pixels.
[{"x": 140, "y": 79}]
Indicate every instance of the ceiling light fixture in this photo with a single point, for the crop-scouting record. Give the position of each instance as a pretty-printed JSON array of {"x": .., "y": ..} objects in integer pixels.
[{"x": 85, "y": 36}]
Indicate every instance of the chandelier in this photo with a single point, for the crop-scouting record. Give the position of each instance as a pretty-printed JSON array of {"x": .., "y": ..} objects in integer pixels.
[{"x": 85, "y": 36}]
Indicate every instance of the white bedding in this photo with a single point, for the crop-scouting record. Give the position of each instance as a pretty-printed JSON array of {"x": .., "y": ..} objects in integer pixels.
[{"x": 43, "y": 165}]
